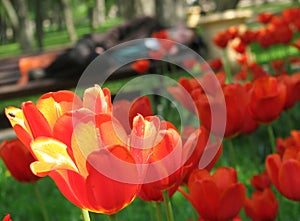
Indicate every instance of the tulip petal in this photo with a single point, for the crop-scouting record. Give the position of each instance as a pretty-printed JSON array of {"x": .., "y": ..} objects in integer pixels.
[
  {"x": 110, "y": 130},
  {"x": 141, "y": 105},
  {"x": 224, "y": 177},
  {"x": 231, "y": 202},
  {"x": 111, "y": 195},
  {"x": 205, "y": 198},
  {"x": 97, "y": 100},
  {"x": 54, "y": 104},
  {"x": 66, "y": 187},
  {"x": 51, "y": 155},
  {"x": 289, "y": 179},
  {"x": 36, "y": 120},
  {"x": 273, "y": 163},
  {"x": 15, "y": 116},
  {"x": 85, "y": 135}
]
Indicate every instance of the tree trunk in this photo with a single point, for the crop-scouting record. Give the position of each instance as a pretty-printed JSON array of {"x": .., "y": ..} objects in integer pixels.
[
  {"x": 25, "y": 32},
  {"x": 11, "y": 13},
  {"x": 170, "y": 12},
  {"x": 39, "y": 24},
  {"x": 69, "y": 20},
  {"x": 98, "y": 13},
  {"x": 127, "y": 8},
  {"x": 145, "y": 7},
  {"x": 222, "y": 5}
]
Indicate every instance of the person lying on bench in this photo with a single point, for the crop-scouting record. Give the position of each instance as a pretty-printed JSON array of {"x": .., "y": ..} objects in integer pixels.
[{"x": 72, "y": 62}]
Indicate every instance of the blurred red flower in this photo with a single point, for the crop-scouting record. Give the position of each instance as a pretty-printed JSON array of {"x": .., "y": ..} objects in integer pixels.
[
  {"x": 17, "y": 159},
  {"x": 141, "y": 66},
  {"x": 216, "y": 64},
  {"x": 261, "y": 181},
  {"x": 199, "y": 141},
  {"x": 262, "y": 206},
  {"x": 232, "y": 32},
  {"x": 292, "y": 141},
  {"x": 216, "y": 197},
  {"x": 284, "y": 172},
  {"x": 221, "y": 39},
  {"x": 7, "y": 218},
  {"x": 292, "y": 83},
  {"x": 267, "y": 99},
  {"x": 239, "y": 46},
  {"x": 265, "y": 17},
  {"x": 163, "y": 34},
  {"x": 235, "y": 103}
]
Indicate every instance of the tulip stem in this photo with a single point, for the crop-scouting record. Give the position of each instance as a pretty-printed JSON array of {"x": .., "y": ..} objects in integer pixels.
[
  {"x": 289, "y": 120},
  {"x": 159, "y": 211},
  {"x": 41, "y": 202},
  {"x": 231, "y": 152},
  {"x": 272, "y": 138},
  {"x": 85, "y": 215},
  {"x": 226, "y": 65},
  {"x": 170, "y": 216},
  {"x": 112, "y": 217}
]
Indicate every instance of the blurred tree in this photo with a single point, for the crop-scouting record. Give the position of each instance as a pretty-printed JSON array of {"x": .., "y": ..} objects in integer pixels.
[
  {"x": 39, "y": 24},
  {"x": 20, "y": 22},
  {"x": 222, "y": 5},
  {"x": 127, "y": 9},
  {"x": 145, "y": 7},
  {"x": 67, "y": 10},
  {"x": 170, "y": 12},
  {"x": 96, "y": 12}
]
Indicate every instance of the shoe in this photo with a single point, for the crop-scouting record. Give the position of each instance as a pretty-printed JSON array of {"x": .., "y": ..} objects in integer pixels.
[{"x": 36, "y": 74}]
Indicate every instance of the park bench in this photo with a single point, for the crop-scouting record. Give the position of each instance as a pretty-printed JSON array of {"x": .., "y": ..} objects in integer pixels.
[{"x": 14, "y": 81}]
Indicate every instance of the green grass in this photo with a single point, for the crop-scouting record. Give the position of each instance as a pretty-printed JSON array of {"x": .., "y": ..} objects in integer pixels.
[{"x": 58, "y": 39}]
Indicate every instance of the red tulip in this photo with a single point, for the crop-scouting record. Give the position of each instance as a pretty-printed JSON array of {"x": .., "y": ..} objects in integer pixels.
[
  {"x": 216, "y": 64},
  {"x": 265, "y": 37},
  {"x": 183, "y": 92},
  {"x": 17, "y": 160},
  {"x": 216, "y": 197},
  {"x": 257, "y": 71},
  {"x": 125, "y": 111},
  {"x": 235, "y": 101},
  {"x": 291, "y": 141},
  {"x": 267, "y": 99},
  {"x": 77, "y": 168},
  {"x": 232, "y": 32},
  {"x": 198, "y": 141},
  {"x": 262, "y": 206},
  {"x": 239, "y": 46},
  {"x": 7, "y": 218},
  {"x": 171, "y": 142},
  {"x": 221, "y": 39},
  {"x": 284, "y": 173},
  {"x": 163, "y": 34},
  {"x": 141, "y": 66},
  {"x": 265, "y": 17},
  {"x": 69, "y": 150},
  {"x": 249, "y": 124},
  {"x": 289, "y": 15},
  {"x": 33, "y": 121},
  {"x": 261, "y": 181},
  {"x": 248, "y": 36},
  {"x": 292, "y": 83}
]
